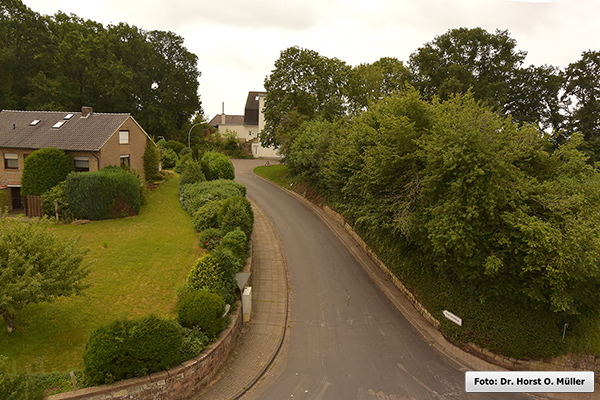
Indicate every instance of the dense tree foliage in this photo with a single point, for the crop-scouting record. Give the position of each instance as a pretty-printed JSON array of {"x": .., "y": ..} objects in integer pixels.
[
  {"x": 63, "y": 62},
  {"x": 36, "y": 266},
  {"x": 462, "y": 202},
  {"x": 303, "y": 85},
  {"x": 467, "y": 58}
]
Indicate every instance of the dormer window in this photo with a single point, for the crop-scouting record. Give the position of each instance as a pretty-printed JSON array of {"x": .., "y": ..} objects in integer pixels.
[
  {"x": 34, "y": 122},
  {"x": 123, "y": 137}
]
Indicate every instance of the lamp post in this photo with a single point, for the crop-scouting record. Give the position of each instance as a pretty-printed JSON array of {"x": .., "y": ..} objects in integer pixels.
[{"x": 199, "y": 123}]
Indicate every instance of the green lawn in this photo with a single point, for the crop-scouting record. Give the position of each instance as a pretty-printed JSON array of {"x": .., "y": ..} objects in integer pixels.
[
  {"x": 277, "y": 173},
  {"x": 137, "y": 265}
]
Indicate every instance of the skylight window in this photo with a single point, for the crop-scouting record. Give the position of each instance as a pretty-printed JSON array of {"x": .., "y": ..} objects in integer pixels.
[
  {"x": 68, "y": 116},
  {"x": 34, "y": 122},
  {"x": 58, "y": 124}
]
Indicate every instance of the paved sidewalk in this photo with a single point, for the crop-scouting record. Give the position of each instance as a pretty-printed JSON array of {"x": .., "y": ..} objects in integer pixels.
[{"x": 262, "y": 337}]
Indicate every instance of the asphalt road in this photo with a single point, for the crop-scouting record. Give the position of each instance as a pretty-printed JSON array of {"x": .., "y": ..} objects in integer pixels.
[{"x": 345, "y": 338}]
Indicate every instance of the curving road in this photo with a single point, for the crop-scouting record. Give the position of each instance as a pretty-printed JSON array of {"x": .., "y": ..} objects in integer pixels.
[{"x": 345, "y": 339}]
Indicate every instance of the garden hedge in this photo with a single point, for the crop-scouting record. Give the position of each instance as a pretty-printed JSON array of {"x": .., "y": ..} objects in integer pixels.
[
  {"x": 108, "y": 193},
  {"x": 44, "y": 169},
  {"x": 132, "y": 348}
]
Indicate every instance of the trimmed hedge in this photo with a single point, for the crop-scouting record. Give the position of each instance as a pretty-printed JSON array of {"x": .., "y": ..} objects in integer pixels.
[
  {"x": 207, "y": 215},
  {"x": 44, "y": 169},
  {"x": 108, "y": 193},
  {"x": 236, "y": 242},
  {"x": 236, "y": 212},
  {"x": 194, "y": 196},
  {"x": 151, "y": 160},
  {"x": 169, "y": 158},
  {"x": 132, "y": 348},
  {"x": 210, "y": 238},
  {"x": 215, "y": 272},
  {"x": 217, "y": 166},
  {"x": 191, "y": 172},
  {"x": 203, "y": 309}
]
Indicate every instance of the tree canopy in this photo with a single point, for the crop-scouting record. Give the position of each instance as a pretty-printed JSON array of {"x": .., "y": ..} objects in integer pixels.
[
  {"x": 36, "y": 266},
  {"x": 63, "y": 62}
]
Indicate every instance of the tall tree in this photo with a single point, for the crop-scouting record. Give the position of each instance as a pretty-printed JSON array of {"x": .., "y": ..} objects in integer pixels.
[
  {"x": 467, "y": 58},
  {"x": 369, "y": 83},
  {"x": 534, "y": 97},
  {"x": 303, "y": 85},
  {"x": 582, "y": 101}
]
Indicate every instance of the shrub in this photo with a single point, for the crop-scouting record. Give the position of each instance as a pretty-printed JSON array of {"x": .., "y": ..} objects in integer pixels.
[
  {"x": 175, "y": 146},
  {"x": 209, "y": 274},
  {"x": 184, "y": 158},
  {"x": 206, "y": 216},
  {"x": 217, "y": 166},
  {"x": 203, "y": 309},
  {"x": 236, "y": 212},
  {"x": 169, "y": 158},
  {"x": 210, "y": 238},
  {"x": 235, "y": 241},
  {"x": 44, "y": 169},
  {"x": 108, "y": 193},
  {"x": 132, "y": 348},
  {"x": 194, "y": 341},
  {"x": 19, "y": 386},
  {"x": 151, "y": 160},
  {"x": 57, "y": 193},
  {"x": 194, "y": 196},
  {"x": 191, "y": 172}
]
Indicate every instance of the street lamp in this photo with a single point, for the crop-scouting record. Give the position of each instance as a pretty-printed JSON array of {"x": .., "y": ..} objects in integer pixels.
[{"x": 199, "y": 123}]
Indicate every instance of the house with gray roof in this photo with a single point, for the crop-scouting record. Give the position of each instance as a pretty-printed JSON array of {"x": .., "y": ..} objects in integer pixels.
[{"x": 93, "y": 140}]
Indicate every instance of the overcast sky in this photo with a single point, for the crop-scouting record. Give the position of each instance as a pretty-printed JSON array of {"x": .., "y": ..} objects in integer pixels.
[{"x": 238, "y": 41}]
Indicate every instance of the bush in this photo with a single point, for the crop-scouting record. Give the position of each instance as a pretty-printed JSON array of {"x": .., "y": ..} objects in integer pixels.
[
  {"x": 210, "y": 238},
  {"x": 57, "y": 193},
  {"x": 184, "y": 158},
  {"x": 217, "y": 166},
  {"x": 206, "y": 216},
  {"x": 151, "y": 160},
  {"x": 194, "y": 196},
  {"x": 175, "y": 146},
  {"x": 236, "y": 242},
  {"x": 44, "y": 169},
  {"x": 194, "y": 341},
  {"x": 191, "y": 172},
  {"x": 236, "y": 212},
  {"x": 108, "y": 193},
  {"x": 210, "y": 274},
  {"x": 132, "y": 348},
  {"x": 19, "y": 386},
  {"x": 169, "y": 158},
  {"x": 202, "y": 309}
]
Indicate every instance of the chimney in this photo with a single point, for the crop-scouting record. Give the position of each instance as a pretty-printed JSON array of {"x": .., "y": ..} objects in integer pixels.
[
  {"x": 223, "y": 115},
  {"x": 86, "y": 111}
]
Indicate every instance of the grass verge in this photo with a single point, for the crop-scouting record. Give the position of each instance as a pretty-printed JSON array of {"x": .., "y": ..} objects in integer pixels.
[
  {"x": 277, "y": 173},
  {"x": 137, "y": 264}
]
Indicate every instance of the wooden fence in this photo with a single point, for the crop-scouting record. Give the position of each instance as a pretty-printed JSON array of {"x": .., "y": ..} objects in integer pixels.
[{"x": 34, "y": 206}]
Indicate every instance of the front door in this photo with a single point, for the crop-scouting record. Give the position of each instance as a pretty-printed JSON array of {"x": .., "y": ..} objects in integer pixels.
[{"x": 16, "y": 197}]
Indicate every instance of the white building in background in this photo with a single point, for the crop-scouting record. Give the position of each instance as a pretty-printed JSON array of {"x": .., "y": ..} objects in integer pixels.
[{"x": 248, "y": 126}]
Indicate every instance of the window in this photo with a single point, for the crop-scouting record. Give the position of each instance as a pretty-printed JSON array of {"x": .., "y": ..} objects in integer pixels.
[
  {"x": 34, "y": 122},
  {"x": 82, "y": 164},
  {"x": 68, "y": 117},
  {"x": 58, "y": 124},
  {"x": 11, "y": 161},
  {"x": 125, "y": 161},
  {"x": 123, "y": 137}
]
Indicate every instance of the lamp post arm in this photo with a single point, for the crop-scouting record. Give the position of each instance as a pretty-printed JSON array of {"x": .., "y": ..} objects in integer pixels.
[{"x": 189, "y": 145}]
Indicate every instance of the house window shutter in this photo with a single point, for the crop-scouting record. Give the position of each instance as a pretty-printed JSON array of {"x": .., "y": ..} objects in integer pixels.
[{"x": 123, "y": 137}]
